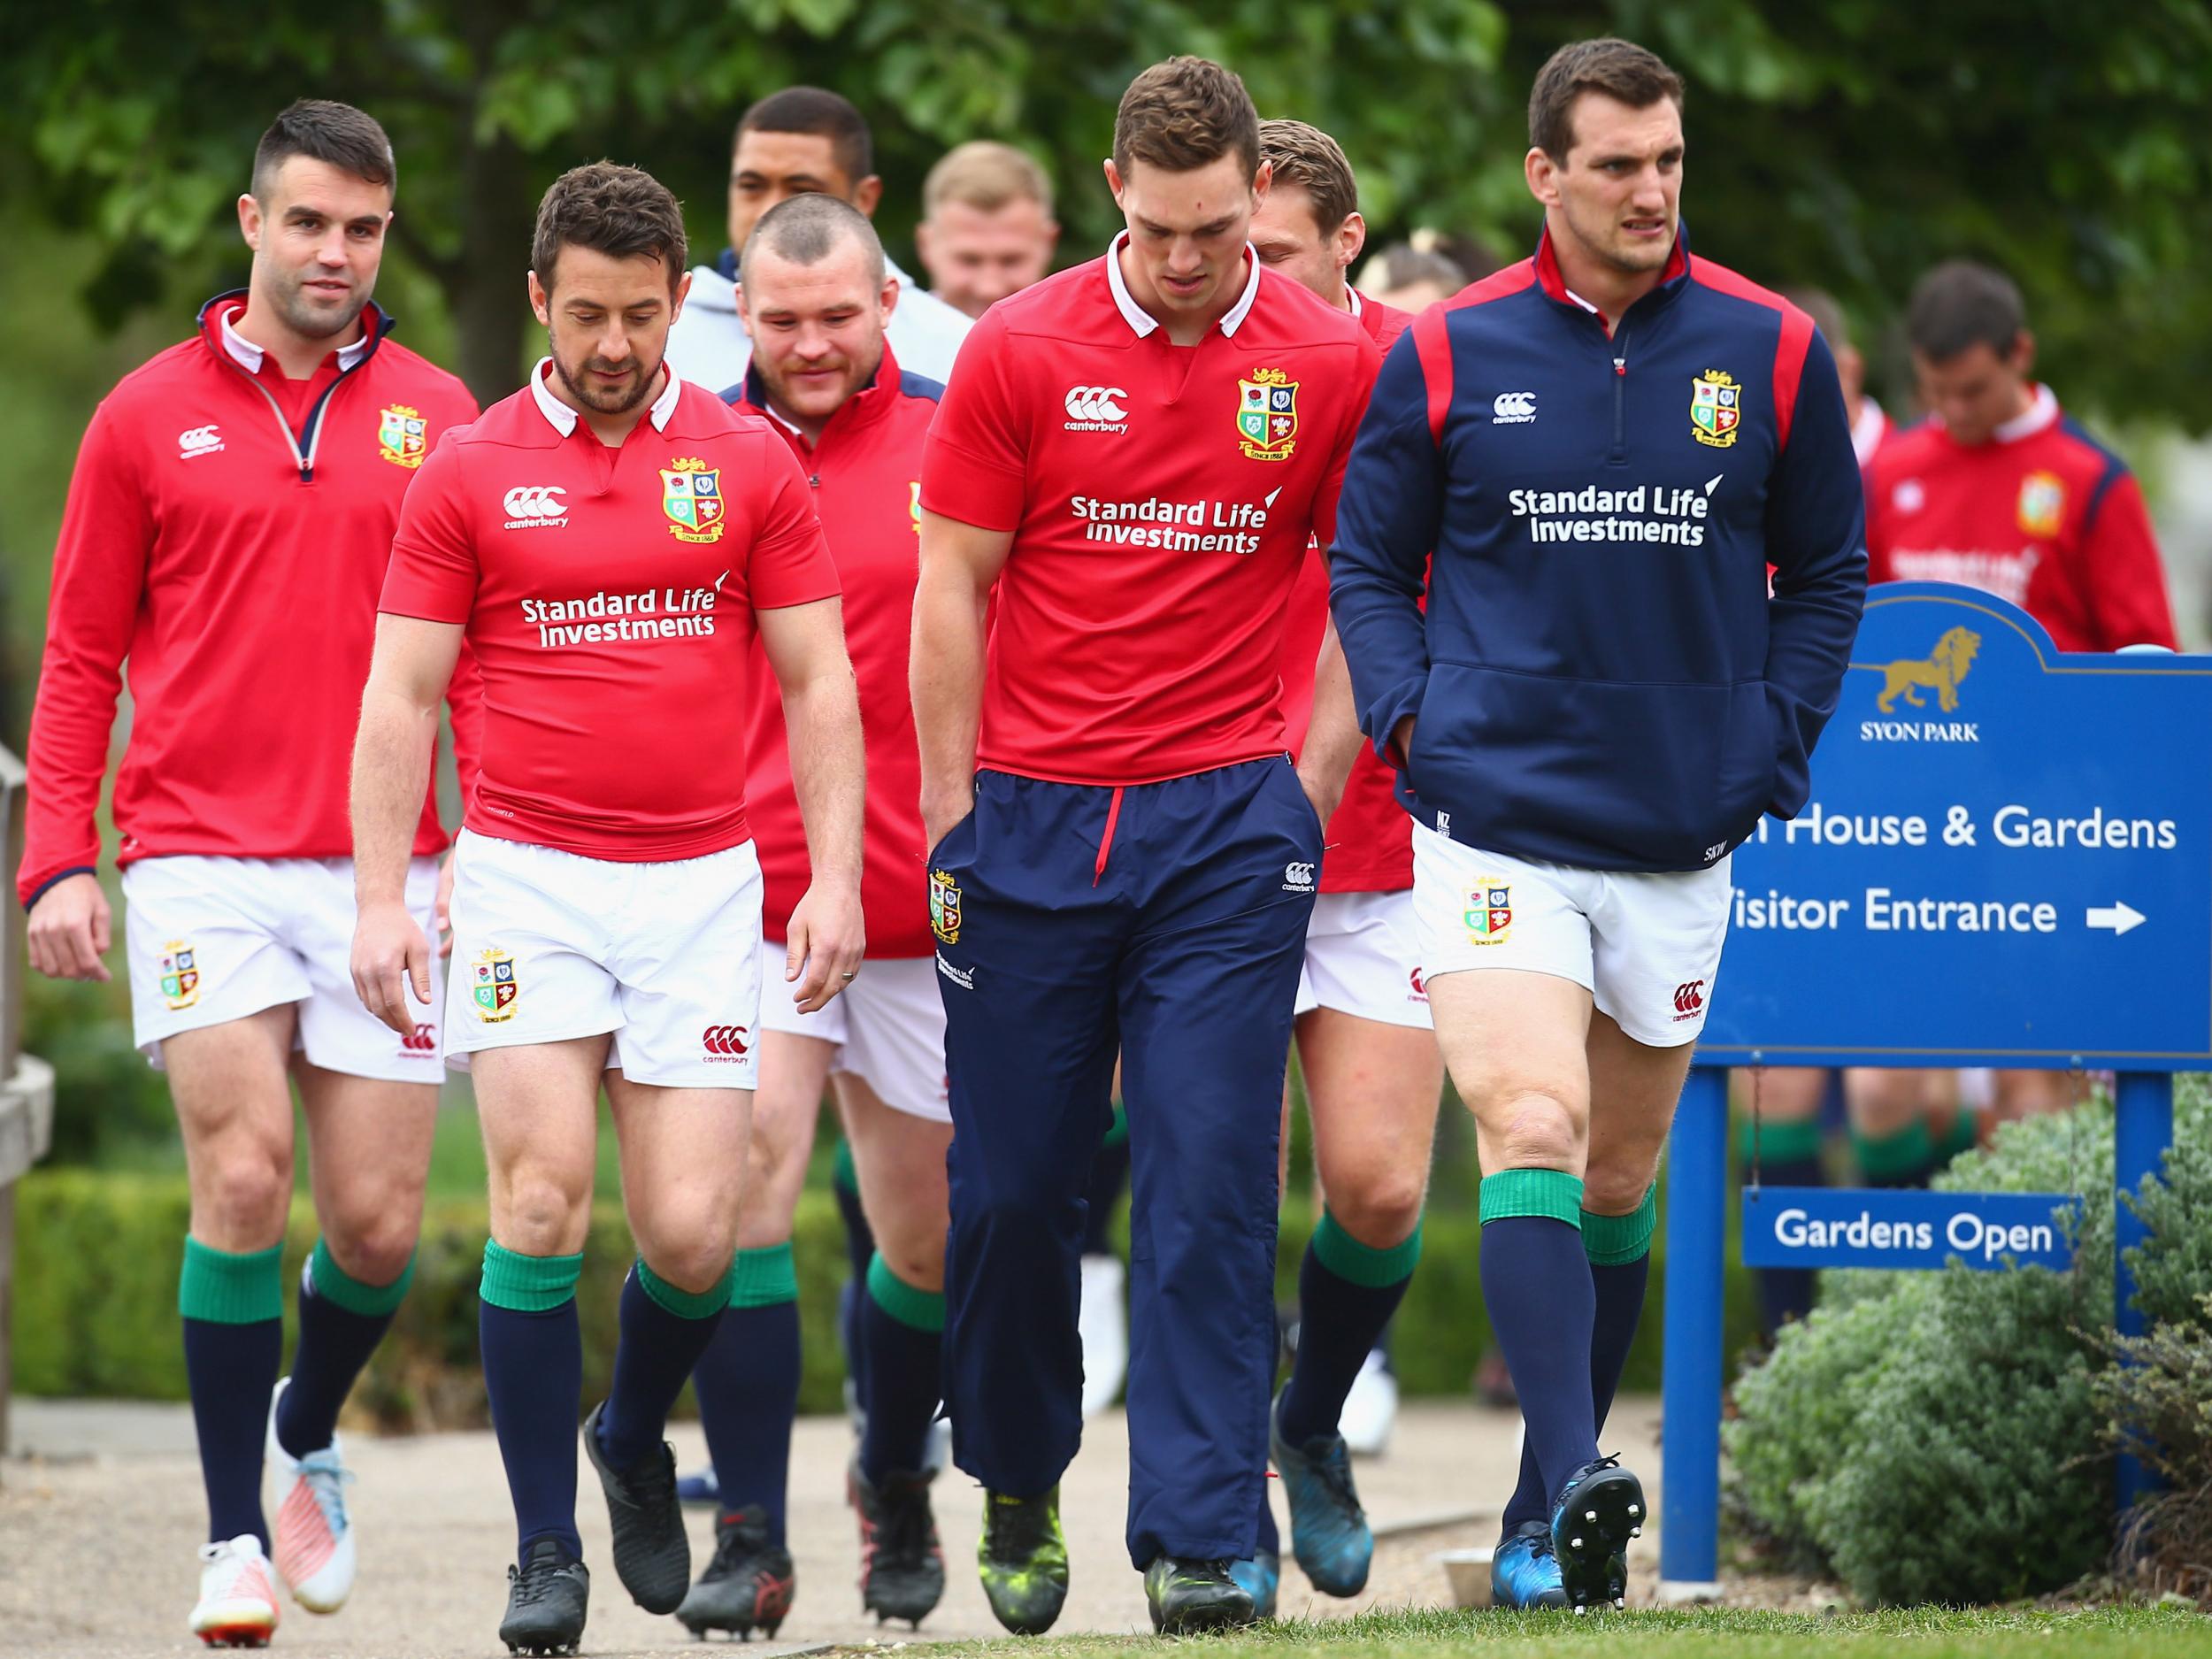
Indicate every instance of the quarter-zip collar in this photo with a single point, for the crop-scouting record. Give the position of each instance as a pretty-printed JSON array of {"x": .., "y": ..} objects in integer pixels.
[
  {"x": 219, "y": 336},
  {"x": 871, "y": 403},
  {"x": 1672, "y": 279}
]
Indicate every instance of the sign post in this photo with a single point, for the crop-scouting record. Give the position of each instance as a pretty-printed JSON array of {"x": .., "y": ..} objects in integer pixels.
[{"x": 2005, "y": 860}]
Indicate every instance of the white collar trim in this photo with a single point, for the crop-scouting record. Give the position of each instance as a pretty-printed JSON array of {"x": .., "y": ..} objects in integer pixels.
[
  {"x": 563, "y": 419},
  {"x": 250, "y": 356},
  {"x": 1143, "y": 323},
  {"x": 1867, "y": 430},
  {"x": 2040, "y": 413}
]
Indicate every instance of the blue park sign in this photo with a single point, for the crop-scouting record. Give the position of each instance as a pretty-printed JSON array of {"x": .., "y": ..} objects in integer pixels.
[{"x": 2007, "y": 859}]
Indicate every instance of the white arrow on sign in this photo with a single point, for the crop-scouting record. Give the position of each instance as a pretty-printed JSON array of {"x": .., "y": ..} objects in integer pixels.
[{"x": 2119, "y": 917}]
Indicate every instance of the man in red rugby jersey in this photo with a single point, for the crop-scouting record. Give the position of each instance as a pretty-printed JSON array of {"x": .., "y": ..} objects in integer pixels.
[{"x": 226, "y": 531}]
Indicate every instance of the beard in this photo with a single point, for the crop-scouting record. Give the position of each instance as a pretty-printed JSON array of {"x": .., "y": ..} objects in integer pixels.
[
  {"x": 603, "y": 402},
  {"x": 309, "y": 321}
]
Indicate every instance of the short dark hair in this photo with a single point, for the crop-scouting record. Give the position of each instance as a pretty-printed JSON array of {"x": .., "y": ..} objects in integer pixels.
[
  {"x": 818, "y": 113},
  {"x": 1620, "y": 69},
  {"x": 619, "y": 211},
  {"x": 806, "y": 229},
  {"x": 1185, "y": 113},
  {"x": 1308, "y": 157},
  {"x": 1960, "y": 303},
  {"x": 321, "y": 130}
]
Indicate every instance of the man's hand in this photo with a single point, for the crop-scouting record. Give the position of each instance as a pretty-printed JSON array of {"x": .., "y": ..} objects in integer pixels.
[
  {"x": 71, "y": 929},
  {"x": 390, "y": 958},
  {"x": 827, "y": 938},
  {"x": 944, "y": 810},
  {"x": 445, "y": 907}
]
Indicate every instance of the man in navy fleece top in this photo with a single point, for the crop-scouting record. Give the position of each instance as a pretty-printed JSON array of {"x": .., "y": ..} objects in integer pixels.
[{"x": 1607, "y": 446}]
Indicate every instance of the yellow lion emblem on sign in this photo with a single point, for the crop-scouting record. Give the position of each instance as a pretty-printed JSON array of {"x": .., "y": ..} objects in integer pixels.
[{"x": 1940, "y": 671}]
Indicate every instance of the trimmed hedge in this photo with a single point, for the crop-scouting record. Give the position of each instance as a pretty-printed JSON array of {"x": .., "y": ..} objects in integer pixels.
[{"x": 97, "y": 1255}]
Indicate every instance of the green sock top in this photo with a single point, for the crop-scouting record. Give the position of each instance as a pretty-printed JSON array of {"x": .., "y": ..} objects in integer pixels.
[
  {"x": 764, "y": 1278},
  {"x": 1363, "y": 1264},
  {"x": 231, "y": 1288},
  {"x": 910, "y": 1305},
  {"x": 1550, "y": 1193},
  {"x": 1617, "y": 1240},
  {"x": 527, "y": 1284},
  {"x": 341, "y": 1289}
]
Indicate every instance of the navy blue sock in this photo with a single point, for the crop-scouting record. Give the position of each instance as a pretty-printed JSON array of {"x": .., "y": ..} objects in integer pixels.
[
  {"x": 533, "y": 1372},
  {"x": 1619, "y": 1250},
  {"x": 1536, "y": 1284},
  {"x": 902, "y": 1334},
  {"x": 860, "y": 1249},
  {"x": 1346, "y": 1292},
  {"x": 342, "y": 1320},
  {"x": 748, "y": 1384},
  {"x": 230, "y": 1369},
  {"x": 231, "y": 1303},
  {"x": 1787, "y": 1293},
  {"x": 663, "y": 1331}
]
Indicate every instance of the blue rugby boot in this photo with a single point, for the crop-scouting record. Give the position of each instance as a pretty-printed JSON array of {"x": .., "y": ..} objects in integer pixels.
[
  {"x": 1523, "y": 1572},
  {"x": 1328, "y": 1530},
  {"x": 1598, "y": 1509},
  {"x": 1261, "y": 1577}
]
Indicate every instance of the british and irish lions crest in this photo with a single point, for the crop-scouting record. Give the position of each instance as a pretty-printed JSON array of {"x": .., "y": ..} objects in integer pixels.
[
  {"x": 1489, "y": 914},
  {"x": 494, "y": 986},
  {"x": 180, "y": 975},
  {"x": 691, "y": 496},
  {"x": 1267, "y": 415},
  {"x": 403, "y": 436},
  {"x": 944, "y": 907},
  {"x": 1716, "y": 409}
]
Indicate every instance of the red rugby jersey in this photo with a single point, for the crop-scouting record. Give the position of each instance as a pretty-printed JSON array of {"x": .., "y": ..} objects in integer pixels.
[
  {"x": 2042, "y": 515},
  {"x": 1162, "y": 500},
  {"x": 1369, "y": 836},
  {"x": 865, "y": 475},
  {"x": 225, "y": 533},
  {"x": 608, "y": 597}
]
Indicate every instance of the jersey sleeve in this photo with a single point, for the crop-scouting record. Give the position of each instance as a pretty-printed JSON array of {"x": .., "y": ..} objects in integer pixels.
[
  {"x": 434, "y": 571},
  {"x": 1385, "y": 520},
  {"x": 975, "y": 462},
  {"x": 1816, "y": 537},
  {"x": 1877, "y": 484},
  {"x": 100, "y": 565},
  {"x": 2120, "y": 576},
  {"x": 789, "y": 563}
]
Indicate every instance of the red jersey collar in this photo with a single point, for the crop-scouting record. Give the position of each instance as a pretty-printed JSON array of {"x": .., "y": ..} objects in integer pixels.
[
  {"x": 865, "y": 406},
  {"x": 1550, "y": 279},
  {"x": 228, "y": 344},
  {"x": 563, "y": 419},
  {"x": 1142, "y": 322}
]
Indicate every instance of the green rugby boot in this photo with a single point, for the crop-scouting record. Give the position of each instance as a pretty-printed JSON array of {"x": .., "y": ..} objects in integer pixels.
[{"x": 1023, "y": 1560}]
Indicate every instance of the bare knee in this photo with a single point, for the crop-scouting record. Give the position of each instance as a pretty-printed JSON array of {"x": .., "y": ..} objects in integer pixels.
[
  {"x": 546, "y": 1211},
  {"x": 688, "y": 1242},
  {"x": 915, "y": 1252},
  {"x": 242, "y": 1194},
  {"x": 1616, "y": 1186},
  {"x": 374, "y": 1246},
  {"x": 694, "y": 1264},
  {"x": 1379, "y": 1207},
  {"x": 1533, "y": 1129}
]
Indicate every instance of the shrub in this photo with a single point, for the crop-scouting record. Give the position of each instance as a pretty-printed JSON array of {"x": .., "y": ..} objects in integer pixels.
[
  {"x": 2159, "y": 1397},
  {"x": 1943, "y": 1437}
]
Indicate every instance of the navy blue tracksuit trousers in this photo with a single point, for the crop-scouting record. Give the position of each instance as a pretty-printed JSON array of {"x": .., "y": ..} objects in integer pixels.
[{"x": 1165, "y": 922}]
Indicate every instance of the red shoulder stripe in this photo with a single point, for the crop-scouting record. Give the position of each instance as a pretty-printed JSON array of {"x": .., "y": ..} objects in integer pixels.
[
  {"x": 1789, "y": 352},
  {"x": 1434, "y": 343}
]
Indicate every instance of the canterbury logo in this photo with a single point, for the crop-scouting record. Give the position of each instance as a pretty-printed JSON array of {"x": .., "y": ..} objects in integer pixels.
[
  {"x": 1095, "y": 404},
  {"x": 199, "y": 440},
  {"x": 1688, "y": 999},
  {"x": 529, "y": 502},
  {"x": 1297, "y": 878},
  {"x": 1512, "y": 409},
  {"x": 422, "y": 1039},
  {"x": 734, "y": 1042}
]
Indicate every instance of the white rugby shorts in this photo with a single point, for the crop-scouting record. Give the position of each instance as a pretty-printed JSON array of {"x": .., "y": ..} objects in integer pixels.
[
  {"x": 211, "y": 940},
  {"x": 887, "y": 1028},
  {"x": 1645, "y": 946},
  {"x": 1363, "y": 958},
  {"x": 550, "y": 945}
]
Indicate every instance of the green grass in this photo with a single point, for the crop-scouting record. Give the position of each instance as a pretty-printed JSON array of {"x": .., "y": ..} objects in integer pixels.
[{"x": 1922, "y": 1633}]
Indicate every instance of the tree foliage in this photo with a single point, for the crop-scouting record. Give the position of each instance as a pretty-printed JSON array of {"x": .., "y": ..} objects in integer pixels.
[{"x": 1844, "y": 143}]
